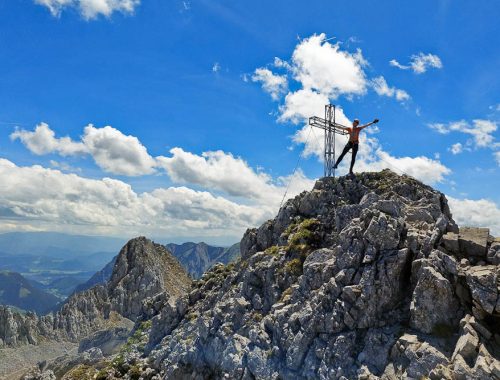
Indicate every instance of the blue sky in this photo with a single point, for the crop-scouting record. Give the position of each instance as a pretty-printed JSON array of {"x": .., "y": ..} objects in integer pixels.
[{"x": 181, "y": 78}]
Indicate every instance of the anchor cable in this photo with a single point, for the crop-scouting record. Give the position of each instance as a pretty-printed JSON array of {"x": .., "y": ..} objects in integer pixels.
[{"x": 296, "y": 167}]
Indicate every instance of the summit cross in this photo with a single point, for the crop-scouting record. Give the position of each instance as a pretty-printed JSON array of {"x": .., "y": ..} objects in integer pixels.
[{"x": 331, "y": 128}]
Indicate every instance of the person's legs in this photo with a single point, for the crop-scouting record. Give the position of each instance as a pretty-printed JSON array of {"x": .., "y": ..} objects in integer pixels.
[
  {"x": 346, "y": 149},
  {"x": 353, "y": 159}
]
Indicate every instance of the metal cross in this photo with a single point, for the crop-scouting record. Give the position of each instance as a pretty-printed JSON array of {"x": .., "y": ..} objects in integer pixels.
[{"x": 331, "y": 128}]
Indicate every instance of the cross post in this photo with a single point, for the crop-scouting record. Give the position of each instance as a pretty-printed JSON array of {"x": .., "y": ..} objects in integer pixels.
[{"x": 331, "y": 128}]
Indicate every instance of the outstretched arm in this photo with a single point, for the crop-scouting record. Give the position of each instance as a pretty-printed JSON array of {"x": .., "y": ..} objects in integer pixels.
[
  {"x": 341, "y": 127},
  {"x": 367, "y": 125}
]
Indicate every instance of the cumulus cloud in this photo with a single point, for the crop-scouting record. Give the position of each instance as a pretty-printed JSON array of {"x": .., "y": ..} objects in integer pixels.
[
  {"x": 223, "y": 171},
  {"x": 321, "y": 70},
  {"x": 40, "y": 196},
  {"x": 90, "y": 9},
  {"x": 218, "y": 170},
  {"x": 42, "y": 141},
  {"x": 422, "y": 168},
  {"x": 273, "y": 84},
  {"x": 480, "y": 213},
  {"x": 381, "y": 87},
  {"x": 419, "y": 63},
  {"x": 117, "y": 153},
  {"x": 323, "y": 67},
  {"x": 302, "y": 104},
  {"x": 111, "y": 150}
]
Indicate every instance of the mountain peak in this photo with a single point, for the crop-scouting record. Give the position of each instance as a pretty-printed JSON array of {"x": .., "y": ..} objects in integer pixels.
[
  {"x": 145, "y": 268},
  {"x": 358, "y": 278}
]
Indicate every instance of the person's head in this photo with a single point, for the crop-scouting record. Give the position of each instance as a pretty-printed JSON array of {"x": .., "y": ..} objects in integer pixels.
[{"x": 355, "y": 122}]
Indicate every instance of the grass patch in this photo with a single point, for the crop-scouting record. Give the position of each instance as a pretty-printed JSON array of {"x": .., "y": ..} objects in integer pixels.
[
  {"x": 294, "y": 267},
  {"x": 273, "y": 250}
]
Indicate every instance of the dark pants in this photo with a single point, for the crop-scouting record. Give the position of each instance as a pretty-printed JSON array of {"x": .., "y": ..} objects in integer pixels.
[{"x": 348, "y": 146}]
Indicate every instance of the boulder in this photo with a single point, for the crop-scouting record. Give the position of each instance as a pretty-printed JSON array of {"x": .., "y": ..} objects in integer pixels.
[
  {"x": 493, "y": 256},
  {"x": 473, "y": 241},
  {"x": 433, "y": 307},
  {"x": 482, "y": 282},
  {"x": 450, "y": 242}
]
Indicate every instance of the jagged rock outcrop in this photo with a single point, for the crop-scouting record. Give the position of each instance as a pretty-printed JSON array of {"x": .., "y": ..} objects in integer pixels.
[
  {"x": 351, "y": 280},
  {"x": 142, "y": 270}
]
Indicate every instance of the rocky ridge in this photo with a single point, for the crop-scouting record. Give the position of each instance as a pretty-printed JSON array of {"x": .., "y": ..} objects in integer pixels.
[
  {"x": 142, "y": 270},
  {"x": 362, "y": 278}
]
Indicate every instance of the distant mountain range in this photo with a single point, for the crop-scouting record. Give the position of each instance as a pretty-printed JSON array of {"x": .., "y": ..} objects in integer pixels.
[
  {"x": 197, "y": 258},
  {"x": 17, "y": 291}
]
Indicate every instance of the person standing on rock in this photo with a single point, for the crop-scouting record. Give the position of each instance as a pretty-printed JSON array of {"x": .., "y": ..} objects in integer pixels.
[{"x": 353, "y": 142}]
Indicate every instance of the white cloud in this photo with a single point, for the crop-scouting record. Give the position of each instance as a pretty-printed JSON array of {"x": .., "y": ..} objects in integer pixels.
[
  {"x": 481, "y": 130},
  {"x": 35, "y": 197},
  {"x": 90, "y": 9},
  {"x": 381, "y": 87},
  {"x": 42, "y": 141},
  {"x": 481, "y": 213},
  {"x": 216, "y": 67},
  {"x": 232, "y": 175},
  {"x": 419, "y": 63},
  {"x": 278, "y": 62},
  {"x": 422, "y": 168},
  {"x": 117, "y": 153},
  {"x": 497, "y": 157},
  {"x": 41, "y": 197},
  {"x": 456, "y": 148},
  {"x": 112, "y": 151},
  {"x": 217, "y": 170},
  {"x": 273, "y": 84},
  {"x": 302, "y": 104},
  {"x": 325, "y": 68}
]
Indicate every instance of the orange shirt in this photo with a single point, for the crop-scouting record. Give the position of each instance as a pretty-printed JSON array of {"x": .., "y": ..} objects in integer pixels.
[{"x": 354, "y": 134}]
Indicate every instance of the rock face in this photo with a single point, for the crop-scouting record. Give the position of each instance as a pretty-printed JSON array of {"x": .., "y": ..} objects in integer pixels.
[
  {"x": 360, "y": 278},
  {"x": 143, "y": 270}
]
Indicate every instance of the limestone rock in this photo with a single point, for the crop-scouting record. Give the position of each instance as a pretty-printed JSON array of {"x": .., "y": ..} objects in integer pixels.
[
  {"x": 482, "y": 281},
  {"x": 473, "y": 241},
  {"x": 433, "y": 305},
  {"x": 358, "y": 278},
  {"x": 450, "y": 243}
]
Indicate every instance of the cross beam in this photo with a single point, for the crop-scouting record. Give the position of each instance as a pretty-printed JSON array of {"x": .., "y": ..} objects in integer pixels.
[{"x": 331, "y": 128}]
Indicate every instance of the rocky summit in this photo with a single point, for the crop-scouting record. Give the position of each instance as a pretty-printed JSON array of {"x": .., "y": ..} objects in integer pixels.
[{"x": 363, "y": 278}]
